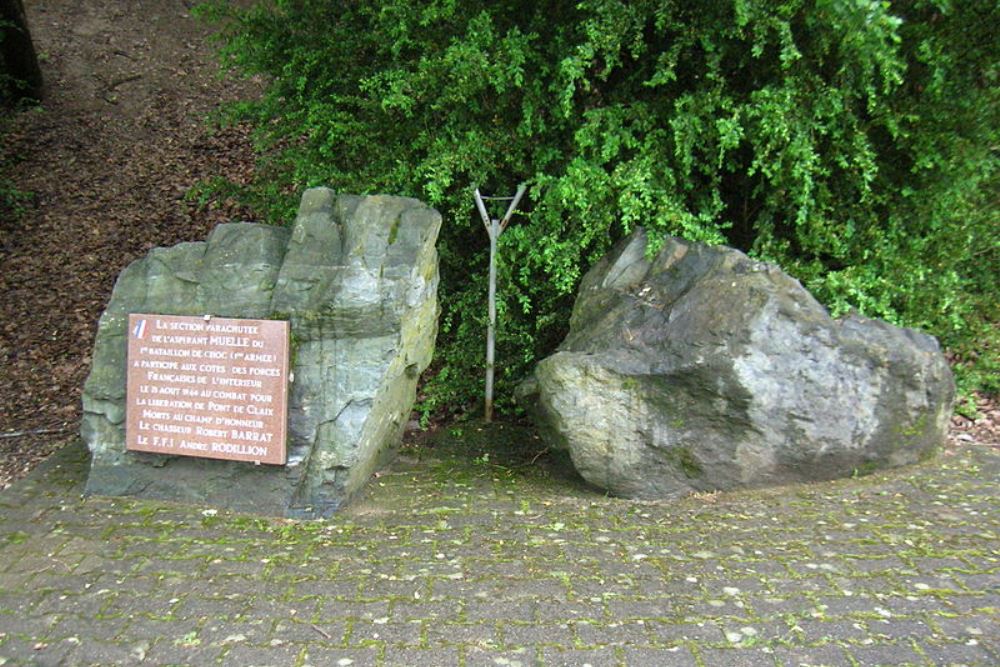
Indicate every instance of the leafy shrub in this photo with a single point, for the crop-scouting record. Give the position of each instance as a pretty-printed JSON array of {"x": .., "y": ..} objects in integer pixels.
[{"x": 852, "y": 141}]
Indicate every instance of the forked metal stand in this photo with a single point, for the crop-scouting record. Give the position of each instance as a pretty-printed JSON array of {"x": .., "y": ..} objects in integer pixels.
[{"x": 494, "y": 227}]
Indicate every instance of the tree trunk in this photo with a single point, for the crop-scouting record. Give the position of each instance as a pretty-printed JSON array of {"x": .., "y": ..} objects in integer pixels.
[{"x": 20, "y": 76}]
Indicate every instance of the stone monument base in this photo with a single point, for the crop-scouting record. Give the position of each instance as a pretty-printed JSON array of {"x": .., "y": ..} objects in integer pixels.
[{"x": 356, "y": 278}]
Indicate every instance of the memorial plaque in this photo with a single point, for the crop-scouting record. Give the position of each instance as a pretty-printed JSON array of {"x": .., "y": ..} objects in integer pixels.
[{"x": 207, "y": 386}]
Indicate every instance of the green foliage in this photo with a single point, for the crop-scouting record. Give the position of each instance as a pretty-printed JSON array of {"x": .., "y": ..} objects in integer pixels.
[
  {"x": 852, "y": 141},
  {"x": 12, "y": 198}
]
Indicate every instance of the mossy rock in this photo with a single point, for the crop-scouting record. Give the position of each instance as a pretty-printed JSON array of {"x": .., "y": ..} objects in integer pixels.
[
  {"x": 700, "y": 369},
  {"x": 357, "y": 279}
]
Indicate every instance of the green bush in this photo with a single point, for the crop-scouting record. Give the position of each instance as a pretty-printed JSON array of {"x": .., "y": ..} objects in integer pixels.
[{"x": 852, "y": 141}]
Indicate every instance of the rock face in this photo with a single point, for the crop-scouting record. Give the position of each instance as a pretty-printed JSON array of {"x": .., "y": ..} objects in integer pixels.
[
  {"x": 357, "y": 279},
  {"x": 702, "y": 369}
]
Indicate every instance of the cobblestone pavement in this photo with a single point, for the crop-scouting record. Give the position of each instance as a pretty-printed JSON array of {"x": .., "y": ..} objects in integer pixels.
[{"x": 458, "y": 561}]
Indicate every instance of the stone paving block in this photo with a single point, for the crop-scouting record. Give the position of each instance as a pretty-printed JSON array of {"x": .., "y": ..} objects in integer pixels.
[
  {"x": 409, "y": 657},
  {"x": 142, "y": 627},
  {"x": 285, "y": 630},
  {"x": 960, "y": 655},
  {"x": 405, "y": 634},
  {"x": 815, "y": 585},
  {"x": 80, "y": 627},
  {"x": 488, "y": 657},
  {"x": 29, "y": 627},
  {"x": 95, "y": 601},
  {"x": 330, "y": 589},
  {"x": 251, "y": 569},
  {"x": 14, "y": 598},
  {"x": 506, "y": 610},
  {"x": 673, "y": 633},
  {"x": 182, "y": 650},
  {"x": 239, "y": 590},
  {"x": 967, "y": 627},
  {"x": 782, "y": 606},
  {"x": 496, "y": 568},
  {"x": 612, "y": 633},
  {"x": 901, "y": 629},
  {"x": 589, "y": 553},
  {"x": 858, "y": 584},
  {"x": 73, "y": 651},
  {"x": 22, "y": 599},
  {"x": 976, "y": 602},
  {"x": 812, "y": 631},
  {"x": 550, "y": 587},
  {"x": 199, "y": 585},
  {"x": 482, "y": 635},
  {"x": 765, "y": 569},
  {"x": 330, "y": 610},
  {"x": 603, "y": 589},
  {"x": 469, "y": 517},
  {"x": 226, "y": 606},
  {"x": 856, "y": 606},
  {"x": 678, "y": 656},
  {"x": 167, "y": 571},
  {"x": 602, "y": 657},
  {"x": 979, "y": 583},
  {"x": 127, "y": 583},
  {"x": 742, "y": 585},
  {"x": 612, "y": 568},
  {"x": 396, "y": 588},
  {"x": 876, "y": 565},
  {"x": 913, "y": 605},
  {"x": 516, "y": 635},
  {"x": 438, "y": 569},
  {"x": 271, "y": 604},
  {"x": 630, "y": 609},
  {"x": 443, "y": 611},
  {"x": 820, "y": 656},
  {"x": 756, "y": 632},
  {"x": 28, "y": 652},
  {"x": 737, "y": 657},
  {"x": 89, "y": 651},
  {"x": 17, "y": 650},
  {"x": 718, "y": 603},
  {"x": 122, "y": 606},
  {"x": 558, "y": 611},
  {"x": 26, "y": 562},
  {"x": 887, "y": 655},
  {"x": 278, "y": 655},
  {"x": 941, "y": 574},
  {"x": 465, "y": 588},
  {"x": 14, "y": 584}
]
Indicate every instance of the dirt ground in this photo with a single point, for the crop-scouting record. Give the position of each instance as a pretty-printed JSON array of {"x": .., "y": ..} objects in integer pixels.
[{"x": 108, "y": 158}]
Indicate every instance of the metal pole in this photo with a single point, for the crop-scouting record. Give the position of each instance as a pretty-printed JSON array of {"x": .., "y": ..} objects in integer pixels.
[
  {"x": 491, "y": 329},
  {"x": 494, "y": 228}
]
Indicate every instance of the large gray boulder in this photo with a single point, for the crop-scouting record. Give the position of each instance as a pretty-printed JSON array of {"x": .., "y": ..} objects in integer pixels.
[
  {"x": 701, "y": 369},
  {"x": 357, "y": 279}
]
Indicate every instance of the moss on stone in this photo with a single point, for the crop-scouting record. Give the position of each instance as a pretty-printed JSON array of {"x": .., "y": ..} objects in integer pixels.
[
  {"x": 683, "y": 459},
  {"x": 394, "y": 230}
]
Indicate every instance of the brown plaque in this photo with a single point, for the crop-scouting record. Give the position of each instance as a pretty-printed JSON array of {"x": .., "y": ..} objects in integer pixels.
[{"x": 207, "y": 386}]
